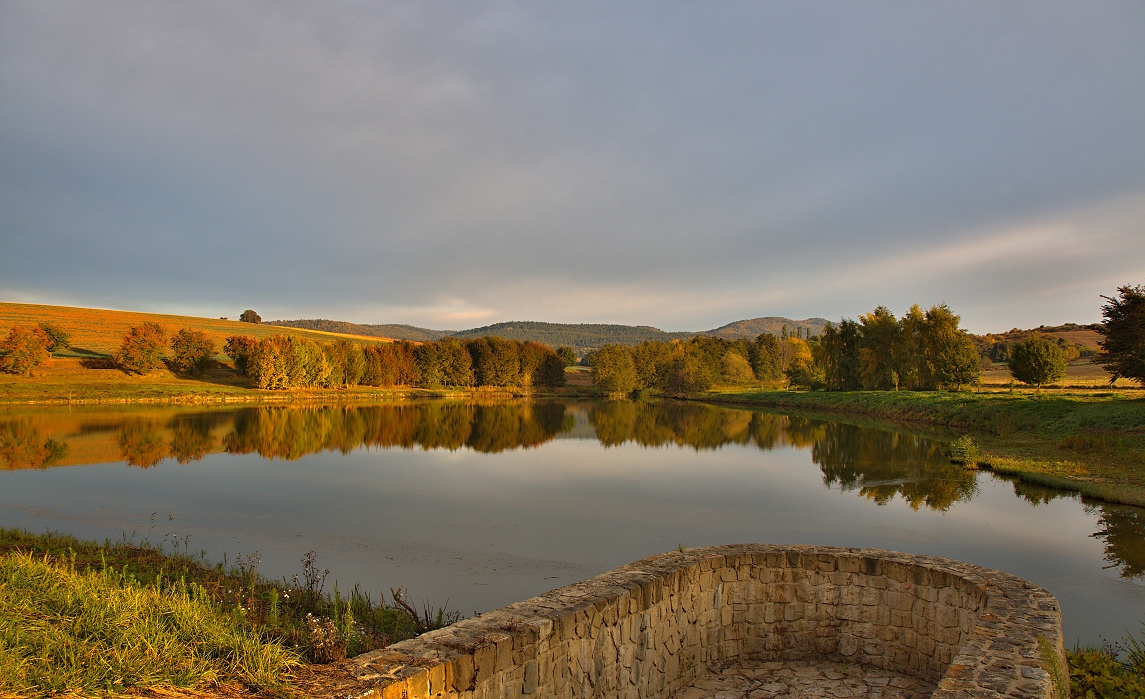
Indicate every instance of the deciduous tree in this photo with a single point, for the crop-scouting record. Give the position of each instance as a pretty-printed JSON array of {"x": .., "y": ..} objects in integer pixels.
[
  {"x": 249, "y": 316},
  {"x": 613, "y": 371},
  {"x": 1037, "y": 361},
  {"x": 192, "y": 351},
  {"x": 141, "y": 349},
  {"x": 23, "y": 350},
  {"x": 58, "y": 339}
]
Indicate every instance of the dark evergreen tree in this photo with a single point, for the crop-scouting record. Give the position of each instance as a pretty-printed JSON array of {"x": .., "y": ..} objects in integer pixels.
[{"x": 1123, "y": 334}]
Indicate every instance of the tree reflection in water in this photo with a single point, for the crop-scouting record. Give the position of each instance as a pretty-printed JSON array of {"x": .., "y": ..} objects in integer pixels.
[
  {"x": 23, "y": 446},
  {"x": 879, "y": 464}
]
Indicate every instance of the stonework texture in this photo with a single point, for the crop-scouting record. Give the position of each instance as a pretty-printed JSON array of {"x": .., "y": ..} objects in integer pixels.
[{"x": 663, "y": 626}]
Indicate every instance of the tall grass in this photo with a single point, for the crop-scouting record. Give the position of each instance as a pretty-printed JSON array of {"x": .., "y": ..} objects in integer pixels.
[{"x": 64, "y": 630}]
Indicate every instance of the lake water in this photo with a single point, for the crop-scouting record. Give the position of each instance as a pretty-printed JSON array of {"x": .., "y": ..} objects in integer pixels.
[{"x": 487, "y": 504}]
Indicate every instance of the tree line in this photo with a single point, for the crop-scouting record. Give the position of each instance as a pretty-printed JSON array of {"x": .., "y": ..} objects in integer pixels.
[
  {"x": 286, "y": 361},
  {"x": 686, "y": 366}
]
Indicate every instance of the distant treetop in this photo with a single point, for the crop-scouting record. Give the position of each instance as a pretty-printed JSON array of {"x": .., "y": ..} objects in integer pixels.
[{"x": 250, "y": 316}]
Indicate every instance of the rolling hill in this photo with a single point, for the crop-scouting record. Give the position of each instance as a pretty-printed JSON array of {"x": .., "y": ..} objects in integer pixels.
[
  {"x": 98, "y": 332},
  {"x": 754, "y": 327},
  {"x": 390, "y": 330}
]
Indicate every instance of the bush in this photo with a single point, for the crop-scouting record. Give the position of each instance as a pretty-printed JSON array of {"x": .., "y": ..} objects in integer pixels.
[
  {"x": 58, "y": 339},
  {"x": 964, "y": 451},
  {"x": 23, "y": 350},
  {"x": 141, "y": 349},
  {"x": 193, "y": 351}
]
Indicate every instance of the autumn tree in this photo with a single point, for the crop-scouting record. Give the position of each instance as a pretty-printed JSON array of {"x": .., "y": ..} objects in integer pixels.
[
  {"x": 57, "y": 338},
  {"x": 949, "y": 358},
  {"x": 1123, "y": 334},
  {"x": 613, "y": 371},
  {"x": 238, "y": 348},
  {"x": 1037, "y": 361},
  {"x": 192, "y": 351},
  {"x": 551, "y": 373},
  {"x": 249, "y": 316},
  {"x": 880, "y": 333},
  {"x": 23, "y": 350},
  {"x": 141, "y": 349},
  {"x": 567, "y": 355}
]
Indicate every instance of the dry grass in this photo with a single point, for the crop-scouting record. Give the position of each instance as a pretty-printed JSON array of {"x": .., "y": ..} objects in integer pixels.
[
  {"x": 97, "y": 332},
  {"x": 1081, "y": 373}
]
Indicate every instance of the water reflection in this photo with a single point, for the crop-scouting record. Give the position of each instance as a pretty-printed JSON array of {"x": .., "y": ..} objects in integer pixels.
[{"x": 880, "y": 465}]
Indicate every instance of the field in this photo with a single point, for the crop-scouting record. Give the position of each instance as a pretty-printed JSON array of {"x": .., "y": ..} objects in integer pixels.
[
  {"x": 1080, "y": 373},
  {"x": 95, "y": 333}
]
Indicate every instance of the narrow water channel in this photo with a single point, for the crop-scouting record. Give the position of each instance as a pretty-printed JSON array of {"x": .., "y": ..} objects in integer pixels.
[{"x": 481, "y": 505}]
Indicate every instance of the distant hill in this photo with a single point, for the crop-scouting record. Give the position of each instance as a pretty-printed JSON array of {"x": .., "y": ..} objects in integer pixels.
[
  {"x": 389, "y": 330},
  {"x": 579, "y": 335},
  {"x": 769, "y": 324}
]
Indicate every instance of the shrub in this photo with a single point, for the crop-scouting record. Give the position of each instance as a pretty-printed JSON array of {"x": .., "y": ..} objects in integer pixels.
[
  {"x": 58, "y": 339},
  {"x": 141, "y": 349},
  {"x": 193, "y": 351},
  {"x": 23, "y": 350},
  {"x": 964, "y": 451}
]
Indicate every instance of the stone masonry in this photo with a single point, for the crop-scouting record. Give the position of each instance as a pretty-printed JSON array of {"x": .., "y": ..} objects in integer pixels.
[{"x": 665, "y": 625}]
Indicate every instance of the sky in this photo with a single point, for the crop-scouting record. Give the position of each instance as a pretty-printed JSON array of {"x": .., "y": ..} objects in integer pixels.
[{"x": 676, "y": 164}]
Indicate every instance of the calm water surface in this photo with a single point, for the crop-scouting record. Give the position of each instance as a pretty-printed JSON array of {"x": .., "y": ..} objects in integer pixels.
[{"x": 487, "y": 504}]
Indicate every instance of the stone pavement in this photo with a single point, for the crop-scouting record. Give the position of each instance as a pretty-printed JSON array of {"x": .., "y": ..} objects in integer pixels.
[{"x": 801, "y": 678}]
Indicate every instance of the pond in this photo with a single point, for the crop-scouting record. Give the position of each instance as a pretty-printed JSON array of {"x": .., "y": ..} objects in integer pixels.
[{"x": 483, "y": 504}]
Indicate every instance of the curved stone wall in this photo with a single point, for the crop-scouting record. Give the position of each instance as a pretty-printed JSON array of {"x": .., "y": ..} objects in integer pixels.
[{"x": 653, "y": 627}]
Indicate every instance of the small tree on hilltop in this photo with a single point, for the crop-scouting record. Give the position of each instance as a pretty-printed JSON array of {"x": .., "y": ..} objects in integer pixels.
[
  {"x": 1123, "y": 334},
  {"x": 57, "y": 338},
  {"x": 249, "y": 316},
  {"x": 193, "y": 351},
  {"x": 141, "y": 349},
  {"x": 1037, "y": 361},
  {"x": 23, "y": 350}
]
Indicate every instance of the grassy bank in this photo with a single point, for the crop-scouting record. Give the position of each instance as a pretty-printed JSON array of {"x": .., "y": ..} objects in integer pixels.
[
  {"x": 81, "y": 618},
  {"x": 1093, "y": 443}
]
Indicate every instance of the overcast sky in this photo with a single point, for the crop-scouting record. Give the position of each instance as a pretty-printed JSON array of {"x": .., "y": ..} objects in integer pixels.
[{"x": 678, "y": 164}]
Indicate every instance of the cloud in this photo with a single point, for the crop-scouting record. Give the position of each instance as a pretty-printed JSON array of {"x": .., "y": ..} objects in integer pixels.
[{"x": 667, "y": 164}]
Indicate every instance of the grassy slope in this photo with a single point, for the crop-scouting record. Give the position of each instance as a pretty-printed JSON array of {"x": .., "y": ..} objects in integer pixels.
[
  {"x": 1089, "y": 442},
  {"x": 79, "y": 618},
  {"x": 97, "y": 332}
]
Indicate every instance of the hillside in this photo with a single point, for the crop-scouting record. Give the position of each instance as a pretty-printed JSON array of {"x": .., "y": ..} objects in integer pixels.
[
  {"x": 773, "y": 325},
  {"x": 389, "y": 330},
  {"x": 98, "y": 332},
  {"x": 579, "y": 335}
]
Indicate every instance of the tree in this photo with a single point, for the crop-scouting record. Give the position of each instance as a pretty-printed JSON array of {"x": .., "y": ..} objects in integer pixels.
[
  {"x": 193, "y": 351},
  {"x": 736, "y": 369},
  {"x": 249, "y": 316},
  {"x": 880, "y": 333},
  {"x": 949, "y": 358},
  {"x": 613, "y": 371},
  {"x": 567, "y": 355},
  {"x": 239, "y": 348},
  {"x": 23, "y": 350},
  {"x": 58, "y": 339},
  {"x": 765, "y": 358},
  {"x": 551, "y": 373},
  {"x": 141, "y": 349},
  {"x": 1037, "y": 361},
  {"x": 1123, "y": 334}
]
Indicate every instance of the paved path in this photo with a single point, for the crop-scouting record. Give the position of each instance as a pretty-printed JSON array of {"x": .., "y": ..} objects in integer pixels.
[{"x": 830, "y": 680}]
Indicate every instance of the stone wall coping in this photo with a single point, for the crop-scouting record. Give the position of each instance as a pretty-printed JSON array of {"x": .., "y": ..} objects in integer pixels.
[{"x": 1014, "y": 648}]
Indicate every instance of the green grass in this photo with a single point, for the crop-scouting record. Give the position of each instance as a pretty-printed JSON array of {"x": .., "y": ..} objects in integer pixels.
[
  {"x": 103, "y": 619},
  {"x": 1093, "y": 443}
]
